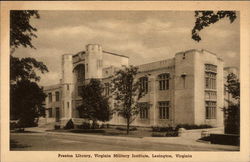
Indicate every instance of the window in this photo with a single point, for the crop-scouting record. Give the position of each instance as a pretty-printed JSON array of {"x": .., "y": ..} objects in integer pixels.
[
  {"x": 144, "y": 84},
  {"x": 57, "y": 96},
  {"x": 80, "y": 73},
  {"x": 210, "y": 76},
  {"x": 50, "y": 97},
  {"x": 144, "y": 107},
  {"x": 67, "y": 87},
  {"x": 50, "y": 113},
  {"x": 67, "y": 104},
  {"x": 210, "y": 109},
  {"x": 106, "y": 89},
  {"x": 163, "y": 81},
  {"x": 164, "y": 109}
]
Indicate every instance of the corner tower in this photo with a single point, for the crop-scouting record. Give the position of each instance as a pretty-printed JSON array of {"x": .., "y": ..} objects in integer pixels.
[
  {"x": 67, "y": 88},
  {"x": 93, "y": 61}
]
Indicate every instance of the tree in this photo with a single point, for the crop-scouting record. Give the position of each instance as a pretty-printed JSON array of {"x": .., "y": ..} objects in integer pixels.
[
  {"x": 21, "y": 31},
  {"x": 26, "y": 96},
  {"x": 232, "y": 111},
  {"x": 26, "y": 103},
  {"x": 127, "y": 92},
  {"x": 95, "y": 106},
  {"x": 206, "y": 18}
]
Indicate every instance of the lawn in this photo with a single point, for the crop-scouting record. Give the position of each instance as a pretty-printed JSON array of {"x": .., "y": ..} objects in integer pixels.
[{"x": 112, "y": 131}]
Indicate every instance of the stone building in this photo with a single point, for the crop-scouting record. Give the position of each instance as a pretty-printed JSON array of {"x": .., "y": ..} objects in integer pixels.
[{"x": 187, "y": 89}]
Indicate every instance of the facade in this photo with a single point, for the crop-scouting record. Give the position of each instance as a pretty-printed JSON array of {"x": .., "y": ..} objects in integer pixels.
[{"x": 187, "y": 89}]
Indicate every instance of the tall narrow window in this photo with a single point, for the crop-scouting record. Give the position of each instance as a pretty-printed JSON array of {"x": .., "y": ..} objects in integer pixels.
[
  {"x": 50, "y": 115},
  {"x": 210, "y": 109},
  {"x": 144, "y": 84},
  {"x": 210, "y": 91},
  {"x": 57, "y": 96},
  {"x": 210, "y": 76},
  {"x": 164, "y": 110},
  {"x": 67, "y": 87},
  {"x": 50, "y": 97},
  {"x": 144, "y": 108},
  {"x": 164, "y": 81}
]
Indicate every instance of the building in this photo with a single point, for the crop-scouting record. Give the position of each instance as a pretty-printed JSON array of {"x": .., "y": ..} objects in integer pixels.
[{"x": 187, "y": 89}]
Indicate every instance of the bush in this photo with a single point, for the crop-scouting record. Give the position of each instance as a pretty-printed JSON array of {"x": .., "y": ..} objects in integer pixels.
[
  {"x": 57, "y": 127},
  {"x": 85, "y": 125},
  {"x": 172, "y": 133},
  {"x": 193, "y": 126},
  {"x": 95, "y": 125},
  {"x": 124, "y": 129},
  {"x": 13, "y": 125},
  {"x": 158, "y": 134},
  {"x": 69, "y": 125},
  {"x": 162, "y": 129}
]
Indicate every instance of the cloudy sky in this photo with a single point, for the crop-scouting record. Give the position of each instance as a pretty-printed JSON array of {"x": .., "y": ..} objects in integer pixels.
[{"x": 144, "y": 36}]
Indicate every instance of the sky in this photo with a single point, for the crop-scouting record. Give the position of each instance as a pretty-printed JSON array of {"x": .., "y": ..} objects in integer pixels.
[{"x": 143, "y": 36}]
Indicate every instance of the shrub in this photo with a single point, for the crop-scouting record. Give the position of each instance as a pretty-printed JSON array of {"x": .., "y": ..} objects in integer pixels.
[
  {"x": 124, "y": 129},
  {"x": 162, "y": 129},
  {"x": 157, "y": 134},
  {"x": 57, "y": 127},
  {"x": 193, "y": 126},
  {"x": 85, "y": 125},
  {"x": 95, "y": 125},
  {"x": 13, "y": 125},
  {"x": 173, "y": 133},
  {"x": 69, "y": 125}
]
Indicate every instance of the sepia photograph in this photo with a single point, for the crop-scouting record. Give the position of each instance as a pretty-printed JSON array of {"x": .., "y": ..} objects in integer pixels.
[
  {"x": 102, "y": 77},
  {"x": 124, "y": 84}
]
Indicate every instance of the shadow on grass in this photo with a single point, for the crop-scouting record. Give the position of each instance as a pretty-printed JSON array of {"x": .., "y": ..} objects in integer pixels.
[
  {"x": 14, "y": 144},
  {"x": 87, "y": 131},
  {"x": 22, "y": 131}
]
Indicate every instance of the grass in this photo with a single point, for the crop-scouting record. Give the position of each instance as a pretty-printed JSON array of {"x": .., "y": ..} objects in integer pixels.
[{"x": 112, "y": 131}]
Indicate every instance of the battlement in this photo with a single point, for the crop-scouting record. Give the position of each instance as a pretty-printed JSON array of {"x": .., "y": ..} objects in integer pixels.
[{"x": 93, "y": 48}]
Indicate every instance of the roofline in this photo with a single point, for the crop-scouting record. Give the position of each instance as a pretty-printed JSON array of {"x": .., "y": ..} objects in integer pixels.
[{"x": 115, "y": 54}]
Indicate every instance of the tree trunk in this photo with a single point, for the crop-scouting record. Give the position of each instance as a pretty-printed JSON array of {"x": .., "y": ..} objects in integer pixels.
[{"x": 127, "y": 125}]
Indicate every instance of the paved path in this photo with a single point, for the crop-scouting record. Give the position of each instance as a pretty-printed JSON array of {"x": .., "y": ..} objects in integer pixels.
[{"x": 53, "y": 141}]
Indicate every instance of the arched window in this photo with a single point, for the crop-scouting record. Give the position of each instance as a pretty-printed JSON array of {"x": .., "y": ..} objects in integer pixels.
[
  {"x": 164, "y": 81},
  {"x": 80, "y": 73}
]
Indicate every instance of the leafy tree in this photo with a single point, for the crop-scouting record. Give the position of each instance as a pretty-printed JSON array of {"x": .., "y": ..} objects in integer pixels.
[
  {"x": 232, "y": 112},
  {"x": 95, "y": 106},
  {"x": 21, "y": 31},
  {"x": 206, "y": 18},
  {"x": 126, "y": 90},
  {"x": 26, "y": 103},
  {"x": 26, "y": 96}
]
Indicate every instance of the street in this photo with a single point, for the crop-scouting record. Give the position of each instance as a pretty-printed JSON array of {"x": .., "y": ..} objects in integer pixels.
[{"x": 67, "y": 142}]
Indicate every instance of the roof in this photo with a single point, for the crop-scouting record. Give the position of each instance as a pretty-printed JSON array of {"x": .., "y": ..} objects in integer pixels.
[{"x": 115, "y": 54}]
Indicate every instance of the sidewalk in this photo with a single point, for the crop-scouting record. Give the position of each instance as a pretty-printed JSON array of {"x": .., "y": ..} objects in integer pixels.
[{"x": 166, "y": 140}]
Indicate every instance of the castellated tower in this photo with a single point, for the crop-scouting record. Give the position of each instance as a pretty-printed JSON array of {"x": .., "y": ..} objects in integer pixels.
[
  {"x": 94, "y": 61},
  {"x": 67, "y": 87}
]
